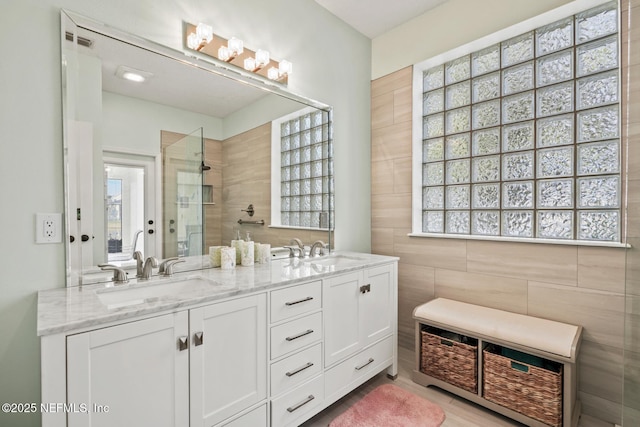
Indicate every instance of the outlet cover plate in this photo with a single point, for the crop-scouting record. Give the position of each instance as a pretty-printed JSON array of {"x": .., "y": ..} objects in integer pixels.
[{"x": 48, "y": 228}]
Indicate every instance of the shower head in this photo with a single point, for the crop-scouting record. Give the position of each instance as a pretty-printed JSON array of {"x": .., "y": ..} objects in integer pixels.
[{"x": 204, "y": 167}]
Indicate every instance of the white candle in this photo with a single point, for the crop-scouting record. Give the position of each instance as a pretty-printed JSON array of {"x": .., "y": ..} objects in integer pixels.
[
  {"x": 247, "y": 257},
  {"x": 227, "y": 257}
]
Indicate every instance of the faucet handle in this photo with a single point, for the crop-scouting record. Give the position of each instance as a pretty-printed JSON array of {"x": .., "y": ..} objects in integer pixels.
[
  {"x": 168, "y": 265},
  {"x": 164, "y": 263},
  {"x": 119, "y": 275}
]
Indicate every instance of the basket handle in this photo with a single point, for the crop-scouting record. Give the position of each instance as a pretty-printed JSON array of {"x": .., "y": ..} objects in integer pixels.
[
  {"x": 519, "y": 367},
  {"x": 446, "y": 342}
]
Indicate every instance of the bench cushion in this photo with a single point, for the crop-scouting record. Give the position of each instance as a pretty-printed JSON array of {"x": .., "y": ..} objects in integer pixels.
[{"x": 541, "y": 334}]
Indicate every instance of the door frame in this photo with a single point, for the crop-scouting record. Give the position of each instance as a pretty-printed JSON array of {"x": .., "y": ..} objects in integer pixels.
[{"x": 152, "y": 164}]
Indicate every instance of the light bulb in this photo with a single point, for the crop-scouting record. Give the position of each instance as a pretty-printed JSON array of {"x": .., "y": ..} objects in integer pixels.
[
  {"x": 285, "y": 67},
  {"x": 236, "y": 46},
  {"x": 250, "y": 64},
  {"x": 262, "y": 58},
  {"x": 273, "y": 73},
  {"x": 224, "y": 53},
  {"x": 204, "y": 32}
]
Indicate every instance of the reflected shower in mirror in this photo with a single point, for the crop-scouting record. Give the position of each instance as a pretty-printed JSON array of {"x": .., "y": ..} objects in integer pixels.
[{"x": 164, "y": 151}]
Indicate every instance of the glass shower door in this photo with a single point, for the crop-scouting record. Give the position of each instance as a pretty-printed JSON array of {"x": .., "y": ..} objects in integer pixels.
[{"x": 182, "y": 196}]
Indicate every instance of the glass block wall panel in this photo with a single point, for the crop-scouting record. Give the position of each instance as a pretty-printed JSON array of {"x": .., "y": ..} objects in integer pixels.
[
  {"x": 517, "y": 223},
  {"x": 599, "y": 123},
  {"x": 557, "y": 130},
  {"x": 486, "y": 87},
  {"x": 554, "y": 37},
  {"x": 458, "y": 197},
  {"x": 457, "y": 70},
  {"x": 486, "y": 196},
  {"x": 433, "y": 126},
  {"x": 517, "y": 195},
  {"x": 517, "y": 166},
  {"x": 486, "y": 141},
  {"x": 517, "y": 108},
  {"x": 554, "y": 68},
  {"x": 598, "y": 90},
  {"x": 433, "y": 102},
  {"x": 458, "y": 146},
  {"x": 597, "y": 22},
  {"x": 485, "y": 223},
  {"x": 599, "y": 158},
  {"x": 555, "y": 193},
  {"x": 458, "y": 95},
  {"x": 522, "y": 138},
  {"x": 555, "y": 162},
  {"x": 598, "y": 192},
  {"x": 486, "y": 114},
  {"x": 517, "y": 136},
  {"x": 599, "y": 225},
  {"x": 486, "y": 169},
  {"x": 433, "y": 78},
  {"x": 517, "y": 49},
  {"x": 555, "y": 224},
  {"x": 485, "y": 60},
  {"x": 517, "y": 79},
  {"x": 457, "y": 222},
  {"x": 597, "y": 56},
  {"x": 306, "y": 165},
  {"x": 555, "y": 99}
]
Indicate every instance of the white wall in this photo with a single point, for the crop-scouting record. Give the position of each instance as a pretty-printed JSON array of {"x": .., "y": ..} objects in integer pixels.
[
  {"x": 452, "y": 24},
  {"x": 31, "y": 131}
]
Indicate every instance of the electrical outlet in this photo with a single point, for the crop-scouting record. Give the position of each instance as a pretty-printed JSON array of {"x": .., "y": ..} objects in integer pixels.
[{"x": 48, "y": 228}]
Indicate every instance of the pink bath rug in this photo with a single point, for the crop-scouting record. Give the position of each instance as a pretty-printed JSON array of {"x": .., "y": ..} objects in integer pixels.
[{"x": 390, "y": 406}]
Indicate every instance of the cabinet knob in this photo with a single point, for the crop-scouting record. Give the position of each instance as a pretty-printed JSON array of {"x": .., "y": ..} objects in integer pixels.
[
  {"x": 198, "y": 338},
  {"x": 183, "y": 343}
]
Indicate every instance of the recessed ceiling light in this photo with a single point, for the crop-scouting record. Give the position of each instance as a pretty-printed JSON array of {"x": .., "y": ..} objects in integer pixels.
[{"x": 132, "y": 74}]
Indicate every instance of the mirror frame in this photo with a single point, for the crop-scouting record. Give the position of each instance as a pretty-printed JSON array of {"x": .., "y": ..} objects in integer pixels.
[{"x": 187, "y": 57}]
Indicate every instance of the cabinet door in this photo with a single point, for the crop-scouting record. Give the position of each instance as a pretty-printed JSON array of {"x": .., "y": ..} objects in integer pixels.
[
  {"x": 341, "y": 296},
  {"x": 377, "y": 304},
  {"x": 133, "y": 374},
  {"x": 229, "y": 361}
]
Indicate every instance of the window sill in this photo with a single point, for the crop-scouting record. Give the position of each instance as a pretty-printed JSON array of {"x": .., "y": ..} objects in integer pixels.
[{"x": 523, "y": 240}]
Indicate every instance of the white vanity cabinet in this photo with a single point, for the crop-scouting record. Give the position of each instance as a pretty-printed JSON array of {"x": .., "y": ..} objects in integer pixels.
[
  {"x": 133, "y": 374},
  {"x": 360, "y": 315},
  {"x": 196, "y": 367},
  {"x": 274, "y": 356}
]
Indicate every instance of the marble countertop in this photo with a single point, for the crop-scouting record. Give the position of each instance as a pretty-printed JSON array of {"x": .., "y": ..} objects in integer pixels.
[{"x": 79, "y": 307}]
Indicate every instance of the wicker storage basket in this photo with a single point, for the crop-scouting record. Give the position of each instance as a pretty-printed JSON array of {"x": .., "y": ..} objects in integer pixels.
[
  {"x": 530, "y": 390},
  {"x": 450, "y": 361}
]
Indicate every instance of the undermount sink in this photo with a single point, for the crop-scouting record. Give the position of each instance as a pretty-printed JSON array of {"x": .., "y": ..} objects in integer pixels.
[
  {"x": 136, "y": 294},
  {"x": 334, "y": 260}
]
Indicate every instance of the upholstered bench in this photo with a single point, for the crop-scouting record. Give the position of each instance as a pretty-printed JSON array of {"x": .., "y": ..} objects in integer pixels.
[{"x": 521, "y": 366}]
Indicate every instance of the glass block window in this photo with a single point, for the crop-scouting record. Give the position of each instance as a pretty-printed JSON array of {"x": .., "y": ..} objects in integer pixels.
[
  {"x": 305, "y": 170},
  {"x": 522, "y": 138}
]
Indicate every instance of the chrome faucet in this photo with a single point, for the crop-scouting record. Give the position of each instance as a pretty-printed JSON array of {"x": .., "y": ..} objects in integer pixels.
[
  {"x": 166, "y": 267},
  {"x": 147, "y": 270},
  {"x": 119, "y": 275},
  {"x": 137, "y": 255},
  {"x": 318, "y": 244}
]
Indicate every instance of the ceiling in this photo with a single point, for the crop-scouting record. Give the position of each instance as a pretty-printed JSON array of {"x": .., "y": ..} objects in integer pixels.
[{"x": 375, "y": 17}]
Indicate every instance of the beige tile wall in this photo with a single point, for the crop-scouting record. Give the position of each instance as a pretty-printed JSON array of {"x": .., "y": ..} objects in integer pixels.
[{"x": 579, "y": 285}]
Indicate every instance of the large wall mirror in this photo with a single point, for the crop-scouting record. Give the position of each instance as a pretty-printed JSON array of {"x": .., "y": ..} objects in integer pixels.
[{"x": 169, "y": 166}]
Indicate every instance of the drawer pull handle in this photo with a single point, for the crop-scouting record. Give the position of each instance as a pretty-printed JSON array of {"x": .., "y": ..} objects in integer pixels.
[
  {"x": 366, "y": 364},
  {"x": 292, "y": 373},
  {"x": 183, "y": 343},
  {"x": 300, "y": 335},
  {"x": 365, "y": 288},
  {"x": 299, "y": 301},
  {"x": 301, "y": 404}
]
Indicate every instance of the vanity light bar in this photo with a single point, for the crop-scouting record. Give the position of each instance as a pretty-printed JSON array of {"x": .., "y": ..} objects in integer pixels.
[{"x": 202, "y": 39}]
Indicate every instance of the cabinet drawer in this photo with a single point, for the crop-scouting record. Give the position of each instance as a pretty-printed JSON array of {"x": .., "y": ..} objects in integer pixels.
[
  {"x": 356, "y": 369},
  {"x": 287, "y": 409},
  {"x": 296, "y": 334},
  {"x": 289, "y": 302},
  {"x": 296, "y": 369},
  {"x": 254, "y": 418}
]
